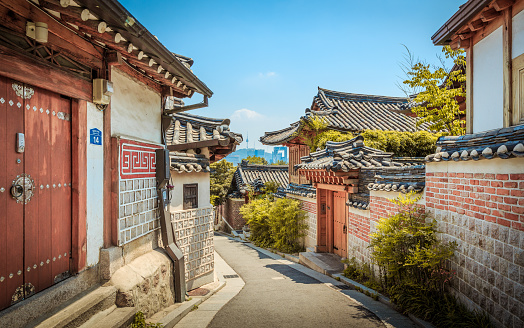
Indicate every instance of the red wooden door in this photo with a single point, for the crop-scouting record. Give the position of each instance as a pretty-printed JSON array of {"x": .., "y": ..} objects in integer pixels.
[
  {"x": 35, "y": 223},
  {"x": 339, "y": 224}
]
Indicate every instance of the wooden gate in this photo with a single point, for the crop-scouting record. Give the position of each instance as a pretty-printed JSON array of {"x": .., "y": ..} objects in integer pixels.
[
  {"x": 339, "y": 224},
  {"x": 35, "y": 190}
]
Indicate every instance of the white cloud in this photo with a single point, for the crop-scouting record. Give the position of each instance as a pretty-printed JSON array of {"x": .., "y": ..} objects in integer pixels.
[
  {"x": 245, "y": 114},
  {"x": 267, "y": 75}
]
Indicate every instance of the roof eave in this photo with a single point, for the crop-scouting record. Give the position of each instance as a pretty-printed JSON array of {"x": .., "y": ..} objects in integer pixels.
[
  {"x": 466, "y": 12},
  {"x": 113, "y": 11}
]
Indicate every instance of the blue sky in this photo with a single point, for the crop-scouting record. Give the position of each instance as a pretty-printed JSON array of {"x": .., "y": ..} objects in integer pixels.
[{"x": 265, "y": 59}]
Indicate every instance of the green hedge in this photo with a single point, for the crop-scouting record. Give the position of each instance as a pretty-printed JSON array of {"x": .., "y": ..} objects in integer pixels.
[{"x": 402, "y": 144}]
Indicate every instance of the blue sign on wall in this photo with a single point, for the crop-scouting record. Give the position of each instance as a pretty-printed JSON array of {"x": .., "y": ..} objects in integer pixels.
[{"x": 95, "y": 136}]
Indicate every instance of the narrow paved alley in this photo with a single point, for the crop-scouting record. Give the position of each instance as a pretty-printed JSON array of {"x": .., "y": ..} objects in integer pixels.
[{"x": 277, "y": 295}]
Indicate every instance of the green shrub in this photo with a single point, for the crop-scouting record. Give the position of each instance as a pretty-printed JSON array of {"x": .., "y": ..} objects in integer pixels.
[
  {"x": 401, "y": 144},
  {"x": 287, "y": 224},
  {"x": 256, "y": 214},
  {"x": 140, "y": 322},
  {"x": 406, "y": 248},
  {"x": 275, "y": 224}
]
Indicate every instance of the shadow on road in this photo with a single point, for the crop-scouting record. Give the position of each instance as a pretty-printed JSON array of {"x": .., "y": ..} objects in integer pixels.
[{"x": 292, "y": 274}]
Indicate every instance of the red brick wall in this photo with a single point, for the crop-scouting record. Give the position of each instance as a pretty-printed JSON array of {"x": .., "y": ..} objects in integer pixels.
[
  {"x": 230, "y": 211},
  {"x": 486, "y": 196},
  {"x": 484, "y": 214}
]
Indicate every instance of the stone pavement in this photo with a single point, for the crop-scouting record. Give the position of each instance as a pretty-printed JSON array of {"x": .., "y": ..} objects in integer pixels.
[
  {"x": 281, "y": 293},
  {"x": 202, "y": 316}
]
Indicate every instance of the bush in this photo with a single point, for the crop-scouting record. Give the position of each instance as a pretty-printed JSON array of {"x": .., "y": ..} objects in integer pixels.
[
  {"x": 406, "y": 248},
  {"x": 256, "y": 214},
  {"x": 277, "y": 224},
  {"x": 287, "y": 224},
  {"x": 401, "y": 144}
]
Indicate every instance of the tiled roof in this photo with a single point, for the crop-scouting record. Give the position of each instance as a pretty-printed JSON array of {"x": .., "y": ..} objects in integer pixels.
[
  {"x": 281, "y": 136},
  {"x": 185, "y": 163},
  {"x": 404, "y": 179},
  {"x": 349, "y": 155},
  {"x": 351, "y": 112},
  {"x": 358, "y": 112},
  {"x": 358, "y": 204},
  {"x": 253, "y": 174},
  {"x": 188, "y": 128},
  {"x": 299, "y": 190},
  {"x": 503, "y": 143}
]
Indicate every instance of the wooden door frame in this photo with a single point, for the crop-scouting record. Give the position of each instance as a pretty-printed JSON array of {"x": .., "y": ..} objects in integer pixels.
[{"x": 22, "y": 68}]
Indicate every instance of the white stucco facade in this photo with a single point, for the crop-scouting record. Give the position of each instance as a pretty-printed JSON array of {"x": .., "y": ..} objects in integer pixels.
[
  {"x": 135, "y": 109},
  {"x": 488, "y": 92},
  {"x": 95, "y": 187},
  {"x": 177, "y": 194},
  {"x": 517, "y": 47}
]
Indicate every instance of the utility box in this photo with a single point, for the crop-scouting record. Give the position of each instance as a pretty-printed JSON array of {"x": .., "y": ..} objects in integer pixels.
[{"x": 102, "y": 91}]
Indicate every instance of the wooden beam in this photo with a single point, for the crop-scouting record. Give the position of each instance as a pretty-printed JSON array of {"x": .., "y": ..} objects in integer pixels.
[
  {"x": 79, "y": 184},
  {"x": 465, "y": 36},
  {"x": 29, "y": 69},
  {"x": 331, "y": 187},
  {"x": 469, "y": 90},
  {"x": 489, "y": 15},
  {"x": 15, "y": 23},
  {"x": 500, "y": 5},
  {"x": 507, "y": 70},
  {"x": 476, "y": 25},
  {"x": 29, "y": 11}
]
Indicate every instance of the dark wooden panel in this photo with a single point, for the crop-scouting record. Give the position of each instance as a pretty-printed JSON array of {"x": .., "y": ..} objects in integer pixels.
[
  {"x": 78, "y": 178},
  {"x": 11, "y": 212}
]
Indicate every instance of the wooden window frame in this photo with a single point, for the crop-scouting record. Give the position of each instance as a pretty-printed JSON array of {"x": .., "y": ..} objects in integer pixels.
[
  {"x": 518, "y": 91},
  {"x": 185, "y": 193}
]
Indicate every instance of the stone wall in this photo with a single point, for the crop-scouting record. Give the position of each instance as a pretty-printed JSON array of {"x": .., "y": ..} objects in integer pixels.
[
  {"x": 194, "y": 235},
  {"x": 480, "y": 206},
  {"x": 310, "y": 206}
]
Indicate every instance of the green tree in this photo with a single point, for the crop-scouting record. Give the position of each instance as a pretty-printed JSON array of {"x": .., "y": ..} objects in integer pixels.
[
  {"x": 436, "y": 103},
  {"x": 220, "y": 181},
  {"x": 280, "y": 162},
  {"x": 256, "y": 160}
]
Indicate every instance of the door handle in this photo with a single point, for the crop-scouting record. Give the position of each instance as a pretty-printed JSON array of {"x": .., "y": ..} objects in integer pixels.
[
  {"x": 17, "y": 190},
  {"x": 345, "y": 229}
]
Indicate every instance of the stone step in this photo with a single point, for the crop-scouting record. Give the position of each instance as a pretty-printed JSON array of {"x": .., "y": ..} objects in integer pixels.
[
  {"x": 80, "y": 310},
  {"x": 118, "y": 318}
]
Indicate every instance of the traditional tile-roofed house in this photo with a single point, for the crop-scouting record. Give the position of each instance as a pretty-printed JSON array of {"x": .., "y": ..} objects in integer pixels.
[
  {"x": 478, "y": 178},
  {"x": 89, "y": 84},
  {"x": 347, "y": 112},
  {"x": 343, "y": 174},
  {"x": 198, "y": 133}
]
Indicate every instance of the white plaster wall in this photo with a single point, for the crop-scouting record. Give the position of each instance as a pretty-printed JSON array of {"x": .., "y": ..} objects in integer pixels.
[
  {"x": 496, "y": 165},
  {"x": 177, "y": 194},
  {"x": 488, "y": 92},
  {"x": 517, "y": 47},
  {"x": 135, "y": 109},
  {"x": 95, "y": 188}
]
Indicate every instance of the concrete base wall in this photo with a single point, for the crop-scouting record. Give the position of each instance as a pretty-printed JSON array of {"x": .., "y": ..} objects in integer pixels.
[{"x": 27, "y": 310}]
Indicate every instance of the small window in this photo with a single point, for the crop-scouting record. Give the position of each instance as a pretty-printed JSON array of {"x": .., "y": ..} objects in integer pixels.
[{"x": 190, "y": 196}]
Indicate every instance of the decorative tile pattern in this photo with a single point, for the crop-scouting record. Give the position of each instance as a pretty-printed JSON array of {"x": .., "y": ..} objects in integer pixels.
[
  {"x": 137, "y": 159},
  {"x": 194, "y": 235},
  {"x": 138, "y": 212}
]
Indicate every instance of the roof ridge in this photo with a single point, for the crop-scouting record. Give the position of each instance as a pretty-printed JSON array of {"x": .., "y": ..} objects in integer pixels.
[{"x": 327, "y": 92}]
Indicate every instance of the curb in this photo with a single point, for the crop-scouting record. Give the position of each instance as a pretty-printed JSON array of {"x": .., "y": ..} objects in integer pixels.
[
  {"x": 383, "y": 299},
  {"x": 173, "y": 317}
]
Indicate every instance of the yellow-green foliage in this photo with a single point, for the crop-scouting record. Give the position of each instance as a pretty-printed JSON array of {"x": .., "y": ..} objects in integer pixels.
[
  {"x": 220, "y": 181},
  {"x": 277, "y": 224},
  {"x": 438, "y": 105},
  {"x": 317, "y": 122},
  {"x": 401, "y": 144},
  {"x": 140, "y": 322},
  {"x": 407, "y": 249}
]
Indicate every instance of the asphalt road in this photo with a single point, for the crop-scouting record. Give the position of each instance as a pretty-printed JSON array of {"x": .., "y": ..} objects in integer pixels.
[{"x": 276, "y": 295}]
